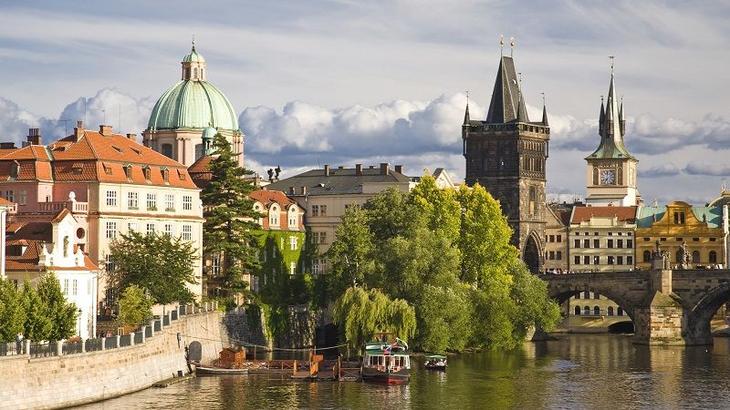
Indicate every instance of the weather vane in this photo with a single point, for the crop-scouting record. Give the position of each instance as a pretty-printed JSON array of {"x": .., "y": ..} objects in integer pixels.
[
  {"x": 467, "y": 97},
  {"x": 543, "y": 98},
  {"x": 611, "y": 58}
]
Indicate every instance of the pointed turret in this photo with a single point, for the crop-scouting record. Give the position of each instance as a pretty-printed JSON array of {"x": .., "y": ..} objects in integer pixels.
[
  {"x": 506, "y": 102},
  {"x": 521, "y": 111},
  {"x": 466, "y": 114},
  {"x": 601, "y": 118},
  {"x": 622, "y": 119},
  {"x": 611, "y": 127},
  {"x": 544, "y": 115}
]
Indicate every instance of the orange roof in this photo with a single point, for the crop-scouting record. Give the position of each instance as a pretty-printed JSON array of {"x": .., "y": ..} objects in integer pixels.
[
  {"x": 585, "y": 213},
  {"x": 267, "y": 197},
  {"x": 200, "y": 171},
  {"x": 27, "y": 152}
]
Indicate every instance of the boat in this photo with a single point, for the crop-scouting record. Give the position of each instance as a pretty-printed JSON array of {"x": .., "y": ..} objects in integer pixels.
[
  {"x": 218, "y": 371},
  {"x": 386, "y": 362},
  {"x": 435, "y": 362}
]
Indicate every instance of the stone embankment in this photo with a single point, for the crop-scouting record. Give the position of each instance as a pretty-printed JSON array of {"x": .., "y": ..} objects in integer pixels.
[{"x": 67, "y": 376}]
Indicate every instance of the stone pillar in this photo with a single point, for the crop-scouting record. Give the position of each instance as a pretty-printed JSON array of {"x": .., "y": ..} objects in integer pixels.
[
  {"x": 661, "y": 281},
  {"x": 131, "y": 338},
  {"x": 26, "y": 344},
  {"x": 144, "y": 332},
  {"x": 660, "y": 323},
  {"x": 119, "y": 339},
  {"x": 152, "y": 327},
  {"x": 83, "y": 345},
  {"x": 103, "y": 343},
  {"x": 59, "y": 347}
]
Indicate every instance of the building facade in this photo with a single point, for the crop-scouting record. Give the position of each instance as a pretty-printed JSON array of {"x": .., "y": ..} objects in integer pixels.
[
  {"x": 49, "y": 244},
  {"x": 679, "y": 228},
  {"x": 186, "y": 110},
  {"x": 507, "y": 154},
  {"x": 602, "y": 238},
  {"x": 110, "y": 184},
  {"x": 611, "y": 174},
  {"x": 326, "y": 193},
  {"x": 556, "y": 237}
]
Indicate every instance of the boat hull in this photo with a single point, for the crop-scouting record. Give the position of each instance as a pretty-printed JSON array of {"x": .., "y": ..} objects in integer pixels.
[
  {"x": 377, "y": 376},
  {"x": 217, "y": 371}
]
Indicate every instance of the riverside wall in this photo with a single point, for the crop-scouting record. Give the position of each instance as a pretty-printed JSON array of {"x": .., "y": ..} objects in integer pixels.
[{"x": 62, "y": 381}]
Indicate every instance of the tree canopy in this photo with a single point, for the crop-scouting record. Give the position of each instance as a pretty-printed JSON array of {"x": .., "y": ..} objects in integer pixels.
[
  {"x": 12, "y": 312},
  {"x": 447, "y": 254},
  {"x": 159, "y": 263},
  {"x": 229, "y": 216},
  {"x": 135, "y": 306},
  {"x": 56, "y": 309}
]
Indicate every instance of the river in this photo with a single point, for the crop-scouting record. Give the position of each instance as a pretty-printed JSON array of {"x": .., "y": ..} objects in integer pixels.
[{"x": 575, "y": 371}]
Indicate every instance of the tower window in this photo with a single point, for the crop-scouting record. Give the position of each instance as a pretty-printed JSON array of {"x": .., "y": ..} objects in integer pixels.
[{"x": 167, "y": 150}]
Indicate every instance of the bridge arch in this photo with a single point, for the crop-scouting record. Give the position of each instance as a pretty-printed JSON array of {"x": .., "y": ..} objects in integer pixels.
[
  {"x": 700, "y": 315},
  {"x": 562, "y": 295}
]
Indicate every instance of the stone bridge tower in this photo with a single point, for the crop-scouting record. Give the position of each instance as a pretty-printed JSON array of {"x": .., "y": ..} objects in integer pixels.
[{"x": 507, "y": 153}]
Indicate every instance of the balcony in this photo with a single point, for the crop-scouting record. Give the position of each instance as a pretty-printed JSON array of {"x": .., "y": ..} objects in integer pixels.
[{"x": 73, "y": 206}]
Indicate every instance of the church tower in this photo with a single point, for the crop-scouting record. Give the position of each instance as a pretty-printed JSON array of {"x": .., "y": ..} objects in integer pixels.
[
  {"x": 506, "y": 154},
  {"x": 611, "y": 171}
]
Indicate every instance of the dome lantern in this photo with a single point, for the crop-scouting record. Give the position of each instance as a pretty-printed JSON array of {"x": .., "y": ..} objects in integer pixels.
[{"x": 193, "y": 66}]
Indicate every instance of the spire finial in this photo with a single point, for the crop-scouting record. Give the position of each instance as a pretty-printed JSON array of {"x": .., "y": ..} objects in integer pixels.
[
  {"x": 612, "y": 58},
  {"x": 543, "y": 98},
  {"x": 601, "y": 98},
  {"x": 511, "y": 46},
  {"x": 501, "y": 45},
  {"x": 193, "y": 41},
  {"x": 467, "y": 97}
]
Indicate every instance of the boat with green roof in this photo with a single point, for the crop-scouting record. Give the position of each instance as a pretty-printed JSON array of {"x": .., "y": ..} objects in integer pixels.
[{"x": 386, "y": 361}]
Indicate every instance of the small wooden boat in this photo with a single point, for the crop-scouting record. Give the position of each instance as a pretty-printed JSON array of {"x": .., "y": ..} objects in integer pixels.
[
  {"x": 435, "y": 362},
  {"x": 218, "y": 371},
  {"x": 386, "y": 362}
]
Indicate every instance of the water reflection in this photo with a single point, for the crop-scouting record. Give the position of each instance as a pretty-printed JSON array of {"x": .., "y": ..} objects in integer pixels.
[{"x": 575, "y": 371}]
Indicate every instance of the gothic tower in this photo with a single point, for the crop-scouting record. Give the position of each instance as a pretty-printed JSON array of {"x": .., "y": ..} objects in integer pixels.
[
  {"x": 507, "y": 154},
  {"x": 611, "y": 171}
]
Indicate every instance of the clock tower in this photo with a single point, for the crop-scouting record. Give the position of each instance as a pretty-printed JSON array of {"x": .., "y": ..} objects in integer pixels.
[{"x": 611, "y": 173}]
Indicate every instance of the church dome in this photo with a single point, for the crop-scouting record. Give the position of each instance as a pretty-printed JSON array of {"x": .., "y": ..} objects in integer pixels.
[{"x": 193, "y": 102}]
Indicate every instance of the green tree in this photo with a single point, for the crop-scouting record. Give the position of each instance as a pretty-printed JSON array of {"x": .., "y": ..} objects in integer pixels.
[
  {"x": 156, "y": 262},
  {"x": 351, "y": 256},
  {"x": 37, "y": 324},
  {"x": 361, "y": 313},
  {"x": 12, "y": 312},
  {"x": 444, "y": 318},
  {"x": 61, "y": 314},
  {"x": 135, "y": 307},
  {"x": 533, "y": 305},
  {"x": 229, "y": 216}
]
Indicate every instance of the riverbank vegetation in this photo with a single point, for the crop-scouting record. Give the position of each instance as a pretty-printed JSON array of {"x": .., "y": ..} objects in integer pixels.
[{"x": 446, "y": 254}]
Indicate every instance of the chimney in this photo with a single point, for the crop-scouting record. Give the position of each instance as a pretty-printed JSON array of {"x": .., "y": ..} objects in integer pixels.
[
  {"x": 105, "y": 130},
  {"x": 132, "y": 137},
  {"x": 304, "y": 190},
  {"x": 34, "y": 136},
  {"x": 79, "y": 130},
  {"x": 384, "y": 168},
  {"x": 399, "y": 169},
  {"x": 7, "y": 145},
  {"x": 358, "y": 169},
  {"x": 326, "y": 170}
]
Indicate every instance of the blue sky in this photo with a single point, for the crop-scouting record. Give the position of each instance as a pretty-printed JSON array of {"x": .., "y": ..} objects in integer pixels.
[{"x": 342, "y": 82}]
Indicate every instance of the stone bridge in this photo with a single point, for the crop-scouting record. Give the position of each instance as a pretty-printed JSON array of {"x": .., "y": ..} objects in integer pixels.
[{"x": 667, "y": 307}]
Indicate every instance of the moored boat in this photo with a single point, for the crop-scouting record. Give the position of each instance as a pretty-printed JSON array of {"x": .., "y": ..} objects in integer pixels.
[
  {"x": 218, "y": 371},
  {"x": 435, "y": 362},
  {"x": 386, "y": 362}
]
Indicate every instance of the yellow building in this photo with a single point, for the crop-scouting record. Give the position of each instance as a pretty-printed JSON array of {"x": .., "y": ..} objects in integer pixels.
[
  {"x": 556, "y": 237},
  {"x": 702, "y": 230}
]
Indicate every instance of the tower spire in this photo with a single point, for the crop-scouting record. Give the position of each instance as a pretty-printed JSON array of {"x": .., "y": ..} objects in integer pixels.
[
  {"x": 521, "y": 112},
  {"x": 466, "y": 112},
  {"x": 544, "y": 111}
]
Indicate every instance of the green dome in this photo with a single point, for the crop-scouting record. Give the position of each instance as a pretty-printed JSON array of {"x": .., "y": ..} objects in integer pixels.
[
  {"x": 193, "y": 104},
  {"x": 193, "y": 57}
]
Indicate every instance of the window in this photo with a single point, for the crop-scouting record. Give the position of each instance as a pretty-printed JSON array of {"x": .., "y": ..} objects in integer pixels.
[
  {"x": 150, "y": 229},
  {"x": 596, "y": 243},
  {"x": 576, "y": 260},
  {"x": 596, "y": 260},
  {"x": 292, "y": 223},
  {"x": 147, "y": 173},
  {"x": 678, "y": 218},
  {"x": 586, "y": 260},
  {"x": 128, "y": 171},
  {"x": 619, "y": 260},
  {"x": 610, "y": 260},
  {"x": 629, "y": 260},
  {"x": 586, "y": 310},
  {"x": 292, "y": 268},
  {"x": 552, "y": 255},
  {"x": 273, "y": 216},
  {"x": 109, "y": 265},
  {"x": 132, "y": 200},
  {"x": 293, "y": 243},
  {"x": 323, "y": 237},
  {"x": 187, "y": 202},
  {"x": 215, "y": 264},
  {"x": 165, "y": 175},
  {"x": 316, "y": 266},
  {"x": 620, "y": 311},
  {"x": 169, "y": 202},
  {"x": 586, "y": 243},
  {"x": 559, "y": 238},
  {"x": 629, "y": 243},
  {"x": 619, "y": 243},
  {"x": 609, "y": 310},
  {"x": 552, "y": 238},
  {"x": 65, "y": 286},
  {"x": 111, "y": 230},
  {"x": 131, "y": 227},
  {"x": 111, "y": 198},
  {"x": 695, "y": 257},
  {"x": 596, "y": 311},
  {"x": 23, "y": 197},
  {"x": 576, "y": 243},
  {"x": 533, "y": 200},
  {"x": 323, "y": 210},
  {"x": 647, "y": 256},
  {"x": 577, "y": 295},
  {"x": 596, "y": 295},
  {"x": 577, "y": 310},
  {"x": 75, "y": 287},
  {"x": 151, "y": 202},
  {"x": 609, "y": 243},
  {"x": 187, "y": 232},
  {"x": 713, "y": 257},
  {"x": 559, "y": 255},
  {"x": 168, "y": 229},
  {"x": 315, "y": 210}
]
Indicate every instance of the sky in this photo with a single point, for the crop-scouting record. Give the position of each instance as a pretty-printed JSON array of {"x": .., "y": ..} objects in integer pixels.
[{"x": 342, "y": 82}]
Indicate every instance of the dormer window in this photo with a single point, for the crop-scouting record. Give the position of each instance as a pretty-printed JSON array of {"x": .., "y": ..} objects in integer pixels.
[
  {"x": 77, "y": 168},
  {"x": 128, "y": 171},
  {"x": 147, "y": 173},
  {"x": 181, "y": 174},
  {"x": 107, "y": 169},
  {"x": 166, "y": 175}
]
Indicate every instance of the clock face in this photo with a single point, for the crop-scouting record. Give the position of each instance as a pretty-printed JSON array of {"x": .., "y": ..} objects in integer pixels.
[{"x": 608, "y": 177}]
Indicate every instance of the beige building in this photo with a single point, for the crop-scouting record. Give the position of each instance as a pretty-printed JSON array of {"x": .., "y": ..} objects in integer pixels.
[
  {"x": 602, "y": 238},
  {"x": 327, "y": 192},
  {"x": 110, "y": 184},
  {"x": 556, "y": 237}
]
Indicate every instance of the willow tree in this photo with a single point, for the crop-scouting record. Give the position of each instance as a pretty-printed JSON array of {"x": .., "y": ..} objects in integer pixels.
[
  {"x": 362, "y": 313},
  {"x": 229, "y": 216}
]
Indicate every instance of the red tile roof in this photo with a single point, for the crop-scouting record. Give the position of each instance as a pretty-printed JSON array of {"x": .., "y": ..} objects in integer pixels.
[{"x": 623, "y": 213}]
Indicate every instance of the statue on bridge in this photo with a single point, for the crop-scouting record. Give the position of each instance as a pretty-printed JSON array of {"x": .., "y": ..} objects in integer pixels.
[{"x": 660, "y": 258}]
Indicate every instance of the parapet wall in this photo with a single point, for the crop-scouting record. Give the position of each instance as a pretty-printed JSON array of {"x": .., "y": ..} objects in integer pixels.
[{"x": 63, "y": 381}]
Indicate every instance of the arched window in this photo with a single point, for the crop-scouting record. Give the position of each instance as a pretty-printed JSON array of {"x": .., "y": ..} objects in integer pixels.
[
  {"x": 587, "y": 310},
  {"x": 167, "y": 150},
  {"x": 619, "y": 311},
  {"x": 596, "y": 295},
  {"x": 596, "y": 311},
  {"x": 195, "y": 72},
  {"x": 577, "y": 310},
  {"x": 274, "y": 216},
  {"x": 647, "y": 256},
  {"x": 695, "y": 256},
  {"x": 713, "y": 257},
  {"x": 610, "y": 310}
]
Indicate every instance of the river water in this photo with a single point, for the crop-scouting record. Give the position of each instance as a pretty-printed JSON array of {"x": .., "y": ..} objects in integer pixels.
[{"x": 575, "y": 371}]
